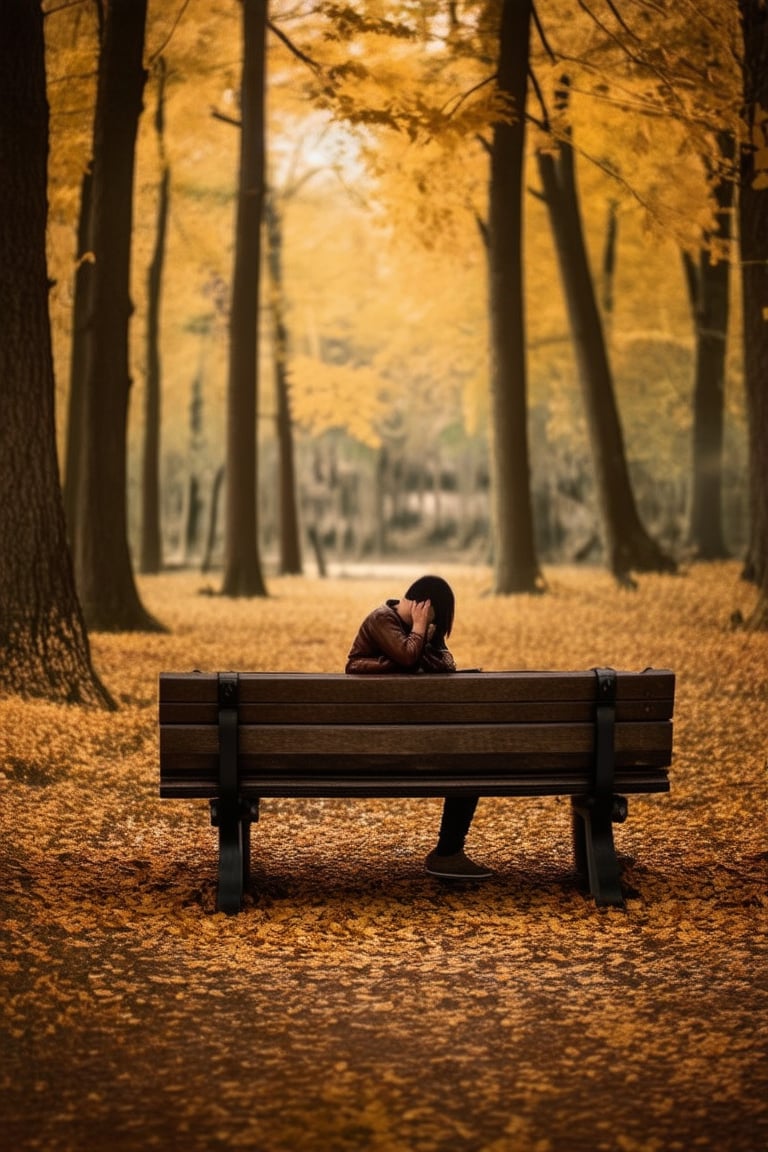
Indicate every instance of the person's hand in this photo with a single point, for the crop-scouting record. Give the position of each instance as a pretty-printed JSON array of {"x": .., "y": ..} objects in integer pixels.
[{"x": 420, "y": 615}]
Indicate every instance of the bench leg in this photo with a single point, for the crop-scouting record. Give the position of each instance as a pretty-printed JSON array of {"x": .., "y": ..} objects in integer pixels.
[
  {"x": 249, "y": 816},
  {"x": 246, "y": 836},
  {"x": 594, "y": 851},
  {"x": 234, "y": 851},
  {"x": 234, "y": 825},
  {"x": 233, "y": 841}
]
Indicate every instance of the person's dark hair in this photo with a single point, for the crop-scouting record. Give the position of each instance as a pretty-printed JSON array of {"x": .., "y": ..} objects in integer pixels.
[{"x": 440, "y": 593}]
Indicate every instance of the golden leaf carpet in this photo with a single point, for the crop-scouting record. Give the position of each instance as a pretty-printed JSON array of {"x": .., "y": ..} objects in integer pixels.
[{"x": 356, "y": 1004}]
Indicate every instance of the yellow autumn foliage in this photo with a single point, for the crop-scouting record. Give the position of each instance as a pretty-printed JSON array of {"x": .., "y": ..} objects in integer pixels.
[
  {"x": 381, "y": 243},
  {"x": 326, "y": 396}
]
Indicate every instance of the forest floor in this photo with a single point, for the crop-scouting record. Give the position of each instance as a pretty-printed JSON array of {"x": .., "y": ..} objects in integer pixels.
[{"x": 356, "y": 1004}]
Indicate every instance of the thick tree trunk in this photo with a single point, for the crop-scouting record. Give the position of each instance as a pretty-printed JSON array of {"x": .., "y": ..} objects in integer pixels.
[
  {"x": 753, "y": 237},
  {"x": 102, "y": 557},
  {"x": 628, "y": 545},
  {"x": 290, "y": 547},
  {"x": 242, "y": 561},
  {"x": 711, "y": 300},
  {"x": 151, "y": 538},
  {"x": 43, "y": 640},
  {"x": 516, "y": 567}
]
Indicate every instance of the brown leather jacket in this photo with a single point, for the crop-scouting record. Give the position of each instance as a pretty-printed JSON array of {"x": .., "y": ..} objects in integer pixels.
[{"x": 384, "y": 643}]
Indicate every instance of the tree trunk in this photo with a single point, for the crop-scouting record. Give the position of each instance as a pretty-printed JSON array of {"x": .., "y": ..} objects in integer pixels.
[
  {"x": 380, "y": 481},
  {"x": 609, "y": 265},
  {"x": 44, "y": 644},
  {"x": 78, "y": 355},
  {"x": 753, "y": 237},
  {"x": 516, "y": 567},
  {"x": 628, "y": 545},
  {"x": 317, "y": 548},
  {"x": 151, "y": 539},
  {"x": 213, "y": 519},
  {"x": 102, "y": 557},
  {"x": 192, "y": 519},
  {"x": 242, "y": 562},
  {"x": 711, "y": 322},
  {"x": 290, "y": 547}
]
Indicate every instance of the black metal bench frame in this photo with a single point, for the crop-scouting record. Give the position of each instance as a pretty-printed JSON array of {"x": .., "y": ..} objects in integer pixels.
[{"x": 596, "y": 801}]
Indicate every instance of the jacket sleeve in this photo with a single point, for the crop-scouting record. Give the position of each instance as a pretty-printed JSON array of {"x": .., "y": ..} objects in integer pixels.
[
  {"x": 436, "y": 660},
  {"x": 386, "y": 636},
  {"x": 371, "y": 665},
  {"x": 383, "y": 645}
]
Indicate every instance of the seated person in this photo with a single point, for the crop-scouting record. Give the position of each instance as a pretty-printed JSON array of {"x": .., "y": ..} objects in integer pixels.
[{"x": 409, "y": 635}]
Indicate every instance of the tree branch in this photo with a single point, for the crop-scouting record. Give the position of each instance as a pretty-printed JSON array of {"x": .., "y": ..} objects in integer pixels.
[
  {"x": 174, "y": 26},
  {"x": 483, "y": 143},
  {"x": 659, "y": 9},
  {"x": 465, "y": 95},
  {"x": 297, "y": 52},
  {"x": 542, "y": 35},
  {"x": 631, "y": 103},
  {"x": 542, "y": 103},
  {"x": 665, "y": 79},
  {"x": 226, "y": 119},
  {"x": 482, "y": 228},
  {"x": 621, "y": 21}
]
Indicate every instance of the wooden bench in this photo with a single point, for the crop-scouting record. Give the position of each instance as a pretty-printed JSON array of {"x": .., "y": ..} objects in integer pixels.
[{"x": 592, "y": 735}]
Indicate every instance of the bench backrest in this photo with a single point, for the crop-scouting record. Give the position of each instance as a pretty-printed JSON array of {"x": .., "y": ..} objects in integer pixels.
[{"x": 492, "y": 733}]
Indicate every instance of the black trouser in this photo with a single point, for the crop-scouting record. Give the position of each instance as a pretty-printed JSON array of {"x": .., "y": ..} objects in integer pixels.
[{"x": 457, "y": 817}]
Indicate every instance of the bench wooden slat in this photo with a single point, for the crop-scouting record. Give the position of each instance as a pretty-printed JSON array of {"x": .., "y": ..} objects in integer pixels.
[
  {"x": 484, "y": 687},
  {"x": 494, "y": 712},
  {"x": 416, "y": 740},
  {"x": 545, "y": 783},
  {"x": 199, "y": 769}
]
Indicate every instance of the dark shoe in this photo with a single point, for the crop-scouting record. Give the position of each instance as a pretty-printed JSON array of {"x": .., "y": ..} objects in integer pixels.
[{"x": 456, "y": 867}]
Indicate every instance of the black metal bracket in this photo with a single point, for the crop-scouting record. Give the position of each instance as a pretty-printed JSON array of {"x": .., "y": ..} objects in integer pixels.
[
  {"x": 229, "y": 813},
  {"x": 593, "y": 815},
  {"x": 605, "y": 731}
]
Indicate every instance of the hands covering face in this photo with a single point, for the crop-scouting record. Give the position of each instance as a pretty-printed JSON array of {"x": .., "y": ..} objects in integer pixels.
[{"x": 422, "y": 615}]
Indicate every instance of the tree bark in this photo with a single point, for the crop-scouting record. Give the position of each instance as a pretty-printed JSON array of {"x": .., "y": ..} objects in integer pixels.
[
  {"x": 102, "y": 557},
  {"x": 711, "y": 307},
  {"x": 78, "y": 355},
  {"x": 242, "y": 561},
  {"x": 516, "y": 566},
  {"x": 44, "y": 644},
  {"x": 151, "y": 536},
  {"x": 79, "y": 351},
  {"x": 628, "y": 545},
  {"x": 753, "y": 239},
  {"x": 290, "y": 546}
]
